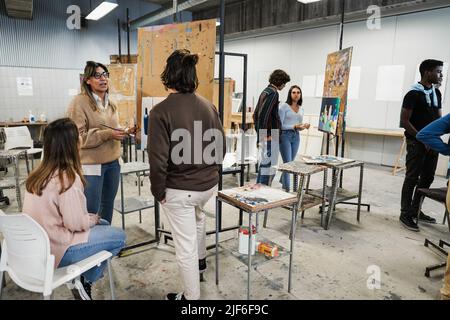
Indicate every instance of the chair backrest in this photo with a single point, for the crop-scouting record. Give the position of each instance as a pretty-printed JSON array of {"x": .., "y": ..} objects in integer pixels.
[
  {"x": 250, "y": 146},
  {"x": 26, "y": 252},
  {"x": 17, "y": 137}
]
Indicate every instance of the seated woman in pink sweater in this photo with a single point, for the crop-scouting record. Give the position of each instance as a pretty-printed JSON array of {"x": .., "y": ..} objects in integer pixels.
[{"x": 54, "y": 198}]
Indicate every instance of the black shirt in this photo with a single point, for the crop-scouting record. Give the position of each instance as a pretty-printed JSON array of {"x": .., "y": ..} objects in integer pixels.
[{"x": 422, "y": 113}]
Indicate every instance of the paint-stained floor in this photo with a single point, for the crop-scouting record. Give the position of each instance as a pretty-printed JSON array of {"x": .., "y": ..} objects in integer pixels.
[{"x": 338, "y": 263}]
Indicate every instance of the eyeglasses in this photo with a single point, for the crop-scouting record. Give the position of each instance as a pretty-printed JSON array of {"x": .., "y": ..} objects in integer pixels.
[
  {"x": 295, "y": 92},
  {"x": 98, "y": 75}
]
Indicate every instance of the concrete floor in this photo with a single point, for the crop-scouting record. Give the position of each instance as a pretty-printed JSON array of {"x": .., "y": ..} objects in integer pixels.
[{"x": 328, "y": 264}]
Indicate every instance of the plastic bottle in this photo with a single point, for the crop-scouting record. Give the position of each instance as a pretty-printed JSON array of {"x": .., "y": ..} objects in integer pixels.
[
  {"x": 31, "y": 117},
  {"x": 42, "y": 117},
  {"x": 146, "y": 122}
]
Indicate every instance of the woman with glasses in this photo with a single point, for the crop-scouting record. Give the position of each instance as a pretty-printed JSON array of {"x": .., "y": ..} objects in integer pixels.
[
  {"x": 291, "y": 117},
  {"x": 95, "y": 115}
]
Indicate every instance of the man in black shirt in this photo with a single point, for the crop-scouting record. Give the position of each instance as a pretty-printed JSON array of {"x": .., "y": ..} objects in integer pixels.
[{"x": 421, "y": 106}]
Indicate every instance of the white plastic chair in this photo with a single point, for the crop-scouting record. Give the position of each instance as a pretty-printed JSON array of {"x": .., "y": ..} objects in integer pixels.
[
  {"x": 25, "y": 255},
  {"x": 20, "y": 138}
]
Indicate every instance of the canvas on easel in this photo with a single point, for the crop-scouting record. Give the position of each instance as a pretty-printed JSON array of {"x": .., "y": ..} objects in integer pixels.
[
  {"x": 329, "y": 113},
  {"x": 337, "y": 74}
]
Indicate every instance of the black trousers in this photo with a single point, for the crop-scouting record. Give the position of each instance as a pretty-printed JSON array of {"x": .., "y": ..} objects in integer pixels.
[{"x": 420, "y": 168}]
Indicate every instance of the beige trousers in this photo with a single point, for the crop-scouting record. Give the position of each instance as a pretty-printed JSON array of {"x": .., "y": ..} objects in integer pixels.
[{"x": 184, "y": 212}]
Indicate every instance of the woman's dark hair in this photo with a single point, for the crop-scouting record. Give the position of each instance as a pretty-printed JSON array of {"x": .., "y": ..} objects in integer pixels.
[
  {"x": 61, "y": 156},
  {"x": 279, "y": 78},
  {"x": 289, "y": 97},
  {"x": 180, "y": 73},
  {"x": 89, "y": 71}
]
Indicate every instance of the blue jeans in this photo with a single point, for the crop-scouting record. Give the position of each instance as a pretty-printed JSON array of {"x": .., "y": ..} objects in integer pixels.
[
  {"x": 289, "y": 143},
  {"x": 101, "y": 237},
  {"x": 269, "y": 158},
  {"x": 100, "y": 191}
]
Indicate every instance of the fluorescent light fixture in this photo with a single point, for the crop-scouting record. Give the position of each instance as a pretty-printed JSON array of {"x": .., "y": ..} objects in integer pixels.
[
  {"x": 307, "y": 1},
  {"x": 102, "y": 10}
]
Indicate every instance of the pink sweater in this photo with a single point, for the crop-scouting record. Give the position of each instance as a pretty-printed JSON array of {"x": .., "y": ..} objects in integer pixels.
[{"x": 64, "y": 216}]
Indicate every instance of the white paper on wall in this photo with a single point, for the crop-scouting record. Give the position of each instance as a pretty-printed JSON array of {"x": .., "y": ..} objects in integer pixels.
[
  {"x": 73, "y": 92},
  {"x": 319, "y": 85},
  {"x": 149, "y": 103},
  {"x": 24, "y": 86},
  {"x": 443, "y": 86},
  {"x": 354, "y": 82},
  {"x": 309, "y": 86},
  {"x": 390, "y": 81}
]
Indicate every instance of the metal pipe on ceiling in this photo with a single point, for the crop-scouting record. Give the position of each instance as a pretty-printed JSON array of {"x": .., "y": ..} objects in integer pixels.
[{"x": 161, "y": 14}]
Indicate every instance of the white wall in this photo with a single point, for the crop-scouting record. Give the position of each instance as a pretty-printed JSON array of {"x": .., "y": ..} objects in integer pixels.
[{"x": 404, "y": 40}]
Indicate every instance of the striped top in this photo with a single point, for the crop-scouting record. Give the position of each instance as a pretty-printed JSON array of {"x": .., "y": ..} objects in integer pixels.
[{"x": 266, "y": 111}]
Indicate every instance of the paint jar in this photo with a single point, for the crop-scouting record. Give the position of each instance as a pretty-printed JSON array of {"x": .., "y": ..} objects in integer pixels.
[
  {"x": 267, "y": 249},
  {"x": 243, "y": 240}
]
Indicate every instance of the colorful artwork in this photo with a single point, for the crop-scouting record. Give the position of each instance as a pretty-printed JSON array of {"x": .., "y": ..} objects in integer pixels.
[
  {"x": 329, "y": 113},
  {"x": 337, "y": 74},
  {"x": 326, "y": 159}
]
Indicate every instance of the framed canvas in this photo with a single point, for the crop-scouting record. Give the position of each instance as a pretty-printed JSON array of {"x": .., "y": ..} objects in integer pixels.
[{"x": 329, "y": 114}]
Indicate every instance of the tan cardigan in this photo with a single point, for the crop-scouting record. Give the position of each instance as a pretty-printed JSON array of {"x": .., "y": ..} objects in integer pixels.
[
  {"x": 98, "y": 145},
  {"x": 63, "y": 216}
]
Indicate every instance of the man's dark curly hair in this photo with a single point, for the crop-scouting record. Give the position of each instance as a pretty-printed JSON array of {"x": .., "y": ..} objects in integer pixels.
[{"x": 279, "y": 78}]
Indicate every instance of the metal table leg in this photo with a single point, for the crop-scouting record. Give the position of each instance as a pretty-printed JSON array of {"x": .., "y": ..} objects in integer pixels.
[
  {"x": 17, "y": 177},
  {"x": 300, "y": 195},
  {"x": 266, "y": 212},
  {"x": 139, "y": 192},
  {"x": 293, "y": 226},
  {"x": 122, "y": 204},
  {"x": 217, "y": 240},
  {"x": 361, "y": 171},
  {"x": 249, "y": 261},
  {"x": 295, "y": 182},
  {"x": 157, "y": 220},
  {"x": 332, "y": 201},
  {"x": 324, "y": 187}
]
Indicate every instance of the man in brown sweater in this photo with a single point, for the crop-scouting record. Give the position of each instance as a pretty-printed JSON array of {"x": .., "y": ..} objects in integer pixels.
[{"x": 186, "y": 146}]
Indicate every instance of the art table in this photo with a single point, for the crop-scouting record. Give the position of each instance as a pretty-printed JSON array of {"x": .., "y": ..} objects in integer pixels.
[{"x": 254, "y": 199}]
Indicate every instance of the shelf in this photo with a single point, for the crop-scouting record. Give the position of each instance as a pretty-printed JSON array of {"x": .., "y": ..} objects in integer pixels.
[
  {"x": 133, "y": 204},
  {"x": 309, "y": 201},
  {"x": 133, "y": 167},
  {"x": 8, "y": 183},
  {"x": 341, "y": 194},
  {"x": 258, "y": 259}
]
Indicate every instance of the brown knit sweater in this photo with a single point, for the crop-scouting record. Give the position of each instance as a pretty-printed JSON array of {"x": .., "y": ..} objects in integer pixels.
[
  {"x": 98, "y": 146},
  {"x": 181, "y": 111}
]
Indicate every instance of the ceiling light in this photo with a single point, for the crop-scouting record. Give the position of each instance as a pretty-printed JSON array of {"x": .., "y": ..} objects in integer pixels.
[{"x": 102, "y": 10}]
